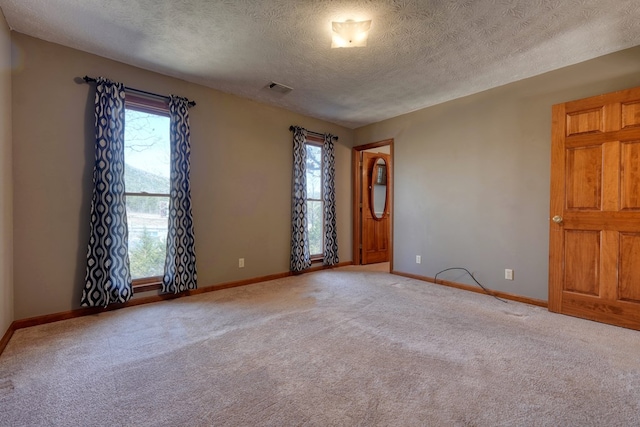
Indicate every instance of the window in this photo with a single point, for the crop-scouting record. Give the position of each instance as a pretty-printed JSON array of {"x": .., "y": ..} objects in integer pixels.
[
  {"x": 147, "y": 185},
  {"x": 315, "y": 201}
]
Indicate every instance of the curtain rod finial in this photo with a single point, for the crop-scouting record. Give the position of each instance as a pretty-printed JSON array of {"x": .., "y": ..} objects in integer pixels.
[{"x": 88, "y": 79}]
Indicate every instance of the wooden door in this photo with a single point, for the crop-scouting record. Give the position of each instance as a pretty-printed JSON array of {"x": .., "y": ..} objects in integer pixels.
[
  {"x": 594, "y": 269},
  {"x": 375, "y": 226}
]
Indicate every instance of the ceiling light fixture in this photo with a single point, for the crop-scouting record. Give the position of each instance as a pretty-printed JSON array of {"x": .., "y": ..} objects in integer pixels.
[{"x": 350, "y": 33}]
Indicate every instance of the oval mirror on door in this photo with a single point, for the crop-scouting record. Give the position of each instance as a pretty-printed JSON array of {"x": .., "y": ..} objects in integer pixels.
[{"x": 379, "y": 188}]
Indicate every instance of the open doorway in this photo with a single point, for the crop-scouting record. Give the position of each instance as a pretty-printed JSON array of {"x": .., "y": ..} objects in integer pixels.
[{"x": 373, "y": 205}]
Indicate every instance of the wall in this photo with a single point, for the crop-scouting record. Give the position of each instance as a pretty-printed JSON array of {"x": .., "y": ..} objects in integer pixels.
[
  {"x": 472, "y": 175},
  {"x": 6, "y": 181},
  {"x": 241, "y": 175}
]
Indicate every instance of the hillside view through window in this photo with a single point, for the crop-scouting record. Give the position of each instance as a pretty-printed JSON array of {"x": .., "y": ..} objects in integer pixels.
[{"x": 147, "y": 188}]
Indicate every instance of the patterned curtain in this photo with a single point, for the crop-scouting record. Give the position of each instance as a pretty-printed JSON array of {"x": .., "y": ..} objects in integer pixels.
[
  {"x": 108, "y": 279},
  {"x": 329, "y": 194},
  {"x": 300, "y": 257},
  {"x": 180, "y": 264}
]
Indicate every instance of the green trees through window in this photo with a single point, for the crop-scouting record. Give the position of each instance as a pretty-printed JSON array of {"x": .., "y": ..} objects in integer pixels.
[{"x": 147, "y": 256}]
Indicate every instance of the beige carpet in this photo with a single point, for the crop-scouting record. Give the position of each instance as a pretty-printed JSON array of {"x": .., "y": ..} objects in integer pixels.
[{"x": 335, "y": 348}]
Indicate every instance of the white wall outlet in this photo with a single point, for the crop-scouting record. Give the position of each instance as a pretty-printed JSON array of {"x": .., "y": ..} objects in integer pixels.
[
  {"x": 418, "y": 259},
  {"x": 508, "y": 274},
  {"x": 240, "y": 262}
]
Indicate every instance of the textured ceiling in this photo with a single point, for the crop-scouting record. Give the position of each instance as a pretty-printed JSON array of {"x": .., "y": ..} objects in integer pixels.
[{"x": 419, "y": 53}]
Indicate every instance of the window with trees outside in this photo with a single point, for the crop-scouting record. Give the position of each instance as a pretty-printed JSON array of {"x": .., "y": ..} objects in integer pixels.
[
  {"x": 315, "y": 203},
  {"x": 147, "y": 186}
]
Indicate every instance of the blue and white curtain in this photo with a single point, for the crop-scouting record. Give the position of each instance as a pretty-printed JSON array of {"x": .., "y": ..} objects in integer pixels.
[
  {"x": 300, "y": 257},
  {"x": 329, "y": 194},
  {"x": 107, "y": 278},
  {"x": 180, "y": 264}
]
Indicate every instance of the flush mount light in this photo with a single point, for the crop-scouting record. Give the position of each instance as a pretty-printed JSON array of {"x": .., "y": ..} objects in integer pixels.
[{"x": 350, "y": 33}]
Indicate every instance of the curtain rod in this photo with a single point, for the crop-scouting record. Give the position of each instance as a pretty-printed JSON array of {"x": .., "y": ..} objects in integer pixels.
[
  {"x": 88, "y": 79},
  {"x": 314, "y": 133}
]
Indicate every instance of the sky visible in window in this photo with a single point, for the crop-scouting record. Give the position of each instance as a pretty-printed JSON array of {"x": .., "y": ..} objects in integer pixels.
[
  {"x": 147, "y": 142},
  {"x": 314, "y": 163}
]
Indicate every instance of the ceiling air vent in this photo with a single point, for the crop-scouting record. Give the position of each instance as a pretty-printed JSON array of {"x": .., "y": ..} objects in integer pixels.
[{"x": 280, "y": 88}]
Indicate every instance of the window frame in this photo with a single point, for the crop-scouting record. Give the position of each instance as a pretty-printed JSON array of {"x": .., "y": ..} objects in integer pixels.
[
  {"x": 318, "y": 142},
  {"x": 159, "y": 108}
]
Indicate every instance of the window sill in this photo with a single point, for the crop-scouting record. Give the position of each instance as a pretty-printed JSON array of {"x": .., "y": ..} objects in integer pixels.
[{"x": 147, "y": 284}]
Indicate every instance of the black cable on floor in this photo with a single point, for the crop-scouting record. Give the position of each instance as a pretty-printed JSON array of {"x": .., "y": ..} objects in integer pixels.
[{"x": 435, "y": 279}]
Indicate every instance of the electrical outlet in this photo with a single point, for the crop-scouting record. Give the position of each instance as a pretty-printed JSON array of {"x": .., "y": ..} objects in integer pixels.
[
  {"x": 418, "y": 259},
  {"x": 508, "y": 274},
  {"x": 240, "y": 262}
]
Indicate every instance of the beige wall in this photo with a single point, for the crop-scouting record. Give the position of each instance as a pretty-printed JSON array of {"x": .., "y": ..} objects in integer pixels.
[
  {"x": 6, "y": 181},
  {"x": 472, "y": 175},
  {"x": 241, "y": 175}
]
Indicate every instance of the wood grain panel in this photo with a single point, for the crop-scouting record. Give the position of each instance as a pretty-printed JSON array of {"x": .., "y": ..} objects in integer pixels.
[
  {"x": 630, "y": 175},
  {"x": 622, "y": 313},
  {"x": 630, "y": 114},
  {"x": 582, "y": 262},
  {"x": 611, "y": 177},
  {"x": 612, "y": 117},
  {"x": 588, "y": 121},
  {"x": 609, "y": 264},
  {"x": 621, "y": 221},
  {"x": 377, "y": 245},
  {"x": 369, "y": 229},
  {"x": 576, "y": 141},
  {"x": 382, "y": 233},
  {"x": 584, "y": 178},
  {"x": 629, "y": 270},
  {"x": 556, "y": 207}
]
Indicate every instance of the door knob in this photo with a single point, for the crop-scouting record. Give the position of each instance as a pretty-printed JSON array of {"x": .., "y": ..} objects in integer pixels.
[{"x": 557, "y": 219}]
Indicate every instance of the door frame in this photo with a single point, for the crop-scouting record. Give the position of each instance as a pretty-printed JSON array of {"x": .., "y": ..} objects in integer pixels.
[{"x": 357, "y": 196}]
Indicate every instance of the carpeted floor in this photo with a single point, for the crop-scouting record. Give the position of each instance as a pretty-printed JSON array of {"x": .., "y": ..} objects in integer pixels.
[{"x": 344, "y": 347}]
